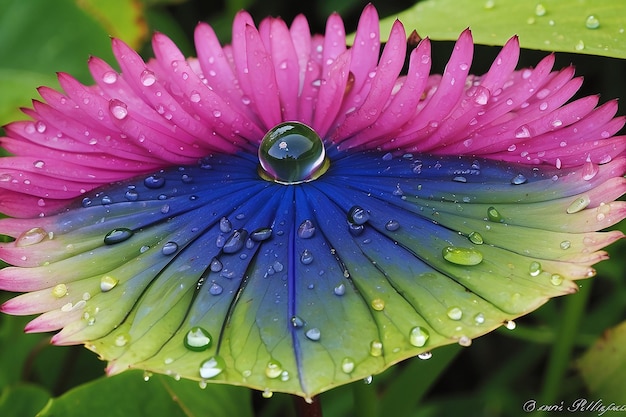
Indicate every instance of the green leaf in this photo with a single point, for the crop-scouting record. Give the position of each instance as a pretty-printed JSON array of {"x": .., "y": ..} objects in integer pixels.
[
  {"x": 128, "y": 394},
  {"x": 603, "y": 366},
  {"x": 22, "y": 401},
  {"x": 551, "y": 25}
]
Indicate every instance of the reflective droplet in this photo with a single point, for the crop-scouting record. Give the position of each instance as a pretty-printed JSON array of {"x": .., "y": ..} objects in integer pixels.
[
  {"x": 197, "y": 339},
  {"x": 31, "y": 237},
  {"x": 169, "y": 248},
  {"x": 356, "y": 229},
  {"x": 117, "y": 236},
  {"x": 418, "y": 336},
  {"x": 306, "y": 229},
  {"x": 465, "y": 341},
  {"x": 347, "y": 365},
  {"x": 476, "y": 238},
  {"x": 147, "y": 78},
  {"x": 131, "y": 195},
  {"x": 291, "y": 153},
  {"x": 378, "y": 304},
  {"x": 376, "y": 348},
  {"x": 118, "y": 109},
  {"x": 59, "y": 291},
  {"x": 215, "y": 289},
  {"x": 154, "y": 182},
  {"x": 589, "y": 170},
  {"x": 462, "y": 256},
  {"x": 518, "y": 179},
  {"x": 556, "y": 279},
  {"x": 425, "y": 355},
  {"x": 216, "y": 265},
  {"x": 592, "y": 22},
  {"x": 267, "y": 393},
  {"x": 540, "y": 10},
  {"x": 107, "y": 283},
  {"x": 273, "y": 369},
  {"x": 297, "y": 322},
  {"x": 454, "y": 313},
  {"x": 236, "y": 241},
  {"x": 262, "y": 234},
  {"x": 510, "y": 324},
  {"x": 579, "y": 204},
  {"x": 121, "y": 340},
  {"x": 392, "y": 225},
  {"x": 566, "y": 244},
  {"x": 225, "y": 225},
  {"x": 493, "y": 215},
  {"x": 340, "y": 289},
  {"x": 479, "y": 318},
  {"x": 358, "y": 215},
  {"x": 580, "y": 45},
  {"x": 313, "y": 334},
  {"x": 307, "y": 257},
  {"x": 534, "y": 269},
  {"x": 212, "y": 367},
  {"x": 109, "y": 77}
]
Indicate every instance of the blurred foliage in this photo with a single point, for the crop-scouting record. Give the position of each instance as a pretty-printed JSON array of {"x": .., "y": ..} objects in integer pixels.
[{"x": 495, "y": 377}]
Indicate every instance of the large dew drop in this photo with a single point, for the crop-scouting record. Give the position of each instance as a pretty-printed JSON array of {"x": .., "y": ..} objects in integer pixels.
[
  {"x": 418, "y": 336},
  {"x": 462, "y": 256},
  {"x": 197, "y": 339},
  {"x": 292, "y": 153},
  {"x": 212, "y": 367},
  {"x": 117, "y": 236},
  {"x": 31, "y": 237}
]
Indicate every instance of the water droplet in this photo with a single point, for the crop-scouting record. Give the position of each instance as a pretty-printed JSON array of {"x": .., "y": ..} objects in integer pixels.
[
  {"x": 216, "y": 265},
  {"x": 291, "y": 153},
  {"x": 197, "y": 339},
  {"x": 518, "y": 179},
  {"x": 306, "y": 229},
  {"x": 454, "y": 313},
  {"x": 340, "y": 289},
  {"x": 121, "y": 340},
  {"x": 59, "y": 291},
  {"x": 589, "y": 170},
  {"x": 195, "y": 97},
  {"x": 147, "y": 78},
  {"x": 358, "y": 215},
  {"x": 462, "y": 256},
  {"x": 378, "y": 304},
  {"x": 540, "y": 10},
  {"x": 307, "y": 257},
  {"x": 109, "y": 77},
  {"x": 225, "y": 225},
  {"x": 392, "y": 225},
  {"x": 147, "y": 375},
  {"x": 592, "y": 22},
  {"x": 215, "y": 289},
  {"x": 107, "y": 283},
  {"x": 556, "y": 279},
  {"x": 212, "y": 367},
  {"x": 313, "y": 334},
  {"x": 117, "y": 236},
  {"x": 347, "y": 365},
  {"x": 510, "y": 324},
  {"x": 493, "y": 215},
  {"x": 368, "y": 379},
  {"x": 31, "y": 237},
  {"x": 267, "y": 393},
  {"x": 565, "y": 244},
  {"x": 236, "y": 241},
  {"x": 479, "y": 318},
  {"x": 376, "y": 348},
  {"x": 262, "y": 234},
  {"x": 169, "y": 248},
  {"x": 273, "y": 369},
  {"x": 418, "y": 336},
  {"x": 578, "y": 204},
  {"x": 356, "y": 229},
  {"x": 476, "y": 238},
  {"x": 522, "y": 132},
  {"x": 425, "y": 355},
  {"x": 489, "y": 4},
  {"x": 154, "y": 182},
  {"x": 580, "y": 45},
  {"x": 297, "y": 322},
  {"x": 534, "y": 269},
  {"x": 118, "y": 109},
  {"x": 465, "y": 341}
]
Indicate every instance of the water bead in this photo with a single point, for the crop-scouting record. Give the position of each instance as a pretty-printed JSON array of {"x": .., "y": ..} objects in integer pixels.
[
  {"x": 197, "y": 339},
  {"x": 418, "y": 336},
  {"x": 262, "y": 234},
  {"x": 59, "y": 291},
  {"x": 169, "y": 248},
  {"x": 107, "y": 283},
  {"x": 273, "y": 369},
  {"x": 117, "y": 236},
  {"x": 31, "y": 237},
  {"x": 307, "y": 257},
  {"x": 376, "y": 348},
  {"x": 347, "y": 365},
  {"x": 154, "y": 182},
  {"x": 578, "y": 204},
  {"x": 556, "y": 279},
  {"x": 212, "y": 367},
  {"x": 454, "y": 313},
  {"x": 493, "y": 215},
  {"x": 425, "y": 355},
  {"x": 378, "y": 304},
  {"x": 313, "y": 334},
  {"x": 476, "y": 238},
  {"x": 236, "y": 241},
  {"x": 592, "y": 22},
  {"x": 462, "y": 256},
  {"x": 292, "y": 153},
  {"x": 306, "y": 230},
  {"x": 540, "y": 10},
  {"x": 534, "y": 269},
  {"x": 518, "y": 179},
  {"x": 358, "y": 215},
  {"x": 392, "y": 225}
]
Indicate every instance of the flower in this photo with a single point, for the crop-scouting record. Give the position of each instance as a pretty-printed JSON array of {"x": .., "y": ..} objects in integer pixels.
[{"x": 290, "y": 214}]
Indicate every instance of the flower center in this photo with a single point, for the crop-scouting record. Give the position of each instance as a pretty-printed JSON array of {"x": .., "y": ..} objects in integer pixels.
[{"x": 292, "y": 153}]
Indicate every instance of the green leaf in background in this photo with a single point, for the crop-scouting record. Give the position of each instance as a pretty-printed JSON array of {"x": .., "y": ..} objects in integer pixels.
[
  {"x": 22, "y": 401},
  {"x": 41, "y": 37},
  {"x": 128, "y": 395},
  {"x": 595, "y": 27},
  {"x": 603, "y": 366}
]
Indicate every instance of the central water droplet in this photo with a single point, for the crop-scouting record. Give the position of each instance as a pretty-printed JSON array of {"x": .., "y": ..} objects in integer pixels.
[
  {"x": 212, "y": 367},
  {"x": 462, "y": 256},
  {"x": 197, "y": 339},
  {"x": 292, "y": 153},
  {"x": 31, "y": 237},
  {"x": 273, "y": 369},
  {"x": 418, "y": 336},
  {"x": 117, "y": 236},
  {"x": 376, "y": 348},
  {"x": 592, "y": 22}
]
